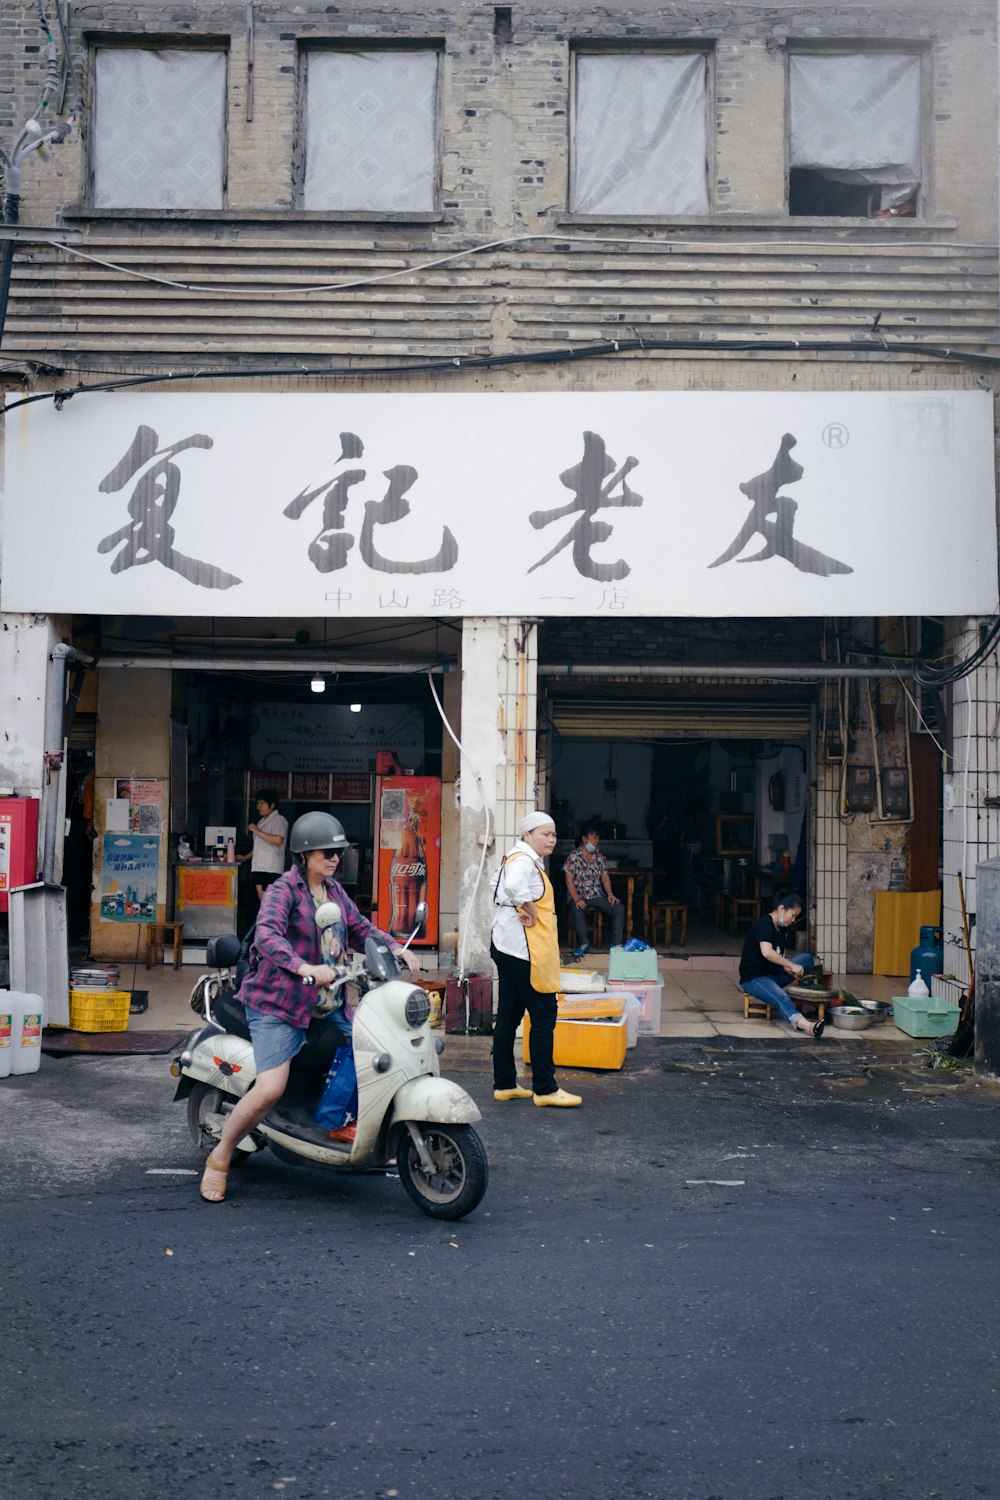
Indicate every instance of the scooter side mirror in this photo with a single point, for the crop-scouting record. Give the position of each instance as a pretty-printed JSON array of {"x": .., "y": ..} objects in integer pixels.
[
  {"x": 328, "y": 915},
  {"x": 420, "y": 915}
]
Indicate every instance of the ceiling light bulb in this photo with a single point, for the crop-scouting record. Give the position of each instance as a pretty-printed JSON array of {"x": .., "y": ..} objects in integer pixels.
[
  {"x": 318, "y": 684},
  {"x": 355, "y": 708}
]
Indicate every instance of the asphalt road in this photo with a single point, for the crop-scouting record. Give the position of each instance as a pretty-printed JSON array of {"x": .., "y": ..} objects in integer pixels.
[{"x": 740, "y": 1272}]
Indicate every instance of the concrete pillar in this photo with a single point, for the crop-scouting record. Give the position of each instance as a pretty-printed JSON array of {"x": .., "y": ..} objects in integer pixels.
[
  {"x": 498, "y": 765},
  {"x": 988, "y": 967},
  {"x": 26, "y": 645},
  {"x": 133, "y": 739}
]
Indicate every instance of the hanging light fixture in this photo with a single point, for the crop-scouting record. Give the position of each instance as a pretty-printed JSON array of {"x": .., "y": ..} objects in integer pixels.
[
  {"x": 355, "y": 708},
  {"x": 318, "y": 683}
]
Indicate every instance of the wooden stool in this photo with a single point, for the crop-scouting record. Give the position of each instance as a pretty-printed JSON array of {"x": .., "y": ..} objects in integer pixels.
[
  {"x": 156, "y": 939},
  {"x": 759, "y": 1009},
  {"x": 666, "y": 916},
  {"x": 595, "y": 927},
  {"x": 744, "y": 908}
]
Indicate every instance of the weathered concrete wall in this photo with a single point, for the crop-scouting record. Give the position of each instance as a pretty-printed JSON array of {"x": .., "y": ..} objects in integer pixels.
[{"x": 133, "y": 739}]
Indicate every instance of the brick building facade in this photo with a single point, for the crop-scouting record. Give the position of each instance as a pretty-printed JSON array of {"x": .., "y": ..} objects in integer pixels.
[{"x": 587, "y": 200}]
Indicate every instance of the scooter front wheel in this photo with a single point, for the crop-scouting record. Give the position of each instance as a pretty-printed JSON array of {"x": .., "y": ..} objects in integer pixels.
[{"x": 458, "y": 1175}]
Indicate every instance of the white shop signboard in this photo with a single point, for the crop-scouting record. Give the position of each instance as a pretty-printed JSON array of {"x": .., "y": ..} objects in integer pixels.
[{"x": 636, "y": 503}]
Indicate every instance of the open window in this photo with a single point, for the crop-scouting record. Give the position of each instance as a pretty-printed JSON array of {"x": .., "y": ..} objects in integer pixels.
[
  {"x": 159, "y": 138},
  {"x": 640, "y": 134},
  {"x": 854, "y": 133},
  {"x": 371, "y": 130}
]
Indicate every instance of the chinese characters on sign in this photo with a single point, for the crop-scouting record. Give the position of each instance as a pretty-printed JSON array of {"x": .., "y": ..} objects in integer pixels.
[
  {"x": 762, "y": 491},
  {"x": 150, "y": 537},
  {"x": 586, "y": 481},
  {"x": 595, "y": 481},
  {"x": 329, "y": 547}
]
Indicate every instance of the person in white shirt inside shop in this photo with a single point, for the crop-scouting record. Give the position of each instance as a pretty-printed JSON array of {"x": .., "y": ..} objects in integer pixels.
[{"x": 270, "y": 834}]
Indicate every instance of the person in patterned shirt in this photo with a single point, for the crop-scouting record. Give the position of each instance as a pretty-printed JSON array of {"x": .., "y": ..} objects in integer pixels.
[{"x": 588, "y": 884}]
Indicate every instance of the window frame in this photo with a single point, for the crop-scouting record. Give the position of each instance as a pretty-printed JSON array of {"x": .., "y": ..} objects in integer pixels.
[
  {"x": 674, "y": 47},
  {"x": 151, "y": 42},
  {"x": 311, "y": 46},
  {"x": 868, "y": 46}
]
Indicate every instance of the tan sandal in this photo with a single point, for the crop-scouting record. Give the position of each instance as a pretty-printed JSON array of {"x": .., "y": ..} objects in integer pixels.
[{"x": 213, "y": 1187}]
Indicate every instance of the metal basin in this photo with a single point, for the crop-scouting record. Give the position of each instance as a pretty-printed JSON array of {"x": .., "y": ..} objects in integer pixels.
[{"x": 849, "y": 1022}]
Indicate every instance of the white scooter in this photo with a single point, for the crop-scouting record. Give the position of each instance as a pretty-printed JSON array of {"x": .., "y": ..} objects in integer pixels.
[{"x": 409, "y": 1117}]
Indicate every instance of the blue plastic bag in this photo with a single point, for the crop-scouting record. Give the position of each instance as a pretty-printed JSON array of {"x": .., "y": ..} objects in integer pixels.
[{"x": 339, "y": 1102}]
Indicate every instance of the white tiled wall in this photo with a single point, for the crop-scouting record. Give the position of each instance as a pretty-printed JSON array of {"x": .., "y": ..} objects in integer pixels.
[
  {"x": 971, "y": 828},
  {"x": 830, "y": 882}
]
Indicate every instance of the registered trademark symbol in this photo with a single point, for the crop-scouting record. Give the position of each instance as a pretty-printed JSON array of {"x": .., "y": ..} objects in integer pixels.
[{"x": 836, "y": 435}]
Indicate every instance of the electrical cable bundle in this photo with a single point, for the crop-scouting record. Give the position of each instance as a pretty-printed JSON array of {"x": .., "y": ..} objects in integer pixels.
[{"x": 929, "y": 673}]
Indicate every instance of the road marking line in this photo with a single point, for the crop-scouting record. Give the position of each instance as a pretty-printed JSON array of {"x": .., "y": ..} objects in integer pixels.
[{"x": 171, "y": 1172}]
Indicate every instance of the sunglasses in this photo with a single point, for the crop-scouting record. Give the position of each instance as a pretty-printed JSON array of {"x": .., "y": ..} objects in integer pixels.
[{"x": 329, "y": 853}]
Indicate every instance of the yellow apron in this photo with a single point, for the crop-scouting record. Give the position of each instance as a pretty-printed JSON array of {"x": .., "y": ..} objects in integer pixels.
[{"x": 543, "y": 939}]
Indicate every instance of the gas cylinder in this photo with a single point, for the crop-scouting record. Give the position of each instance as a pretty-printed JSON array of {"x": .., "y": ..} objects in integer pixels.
[
  {"x": 27, "y": 1016},
  {"x": 928, "y": 955},
  {"x": 6, "y": 1034}
]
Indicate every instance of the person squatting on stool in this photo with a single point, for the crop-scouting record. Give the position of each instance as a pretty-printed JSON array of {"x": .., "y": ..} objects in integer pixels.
[{"x": 765, "y": 972}]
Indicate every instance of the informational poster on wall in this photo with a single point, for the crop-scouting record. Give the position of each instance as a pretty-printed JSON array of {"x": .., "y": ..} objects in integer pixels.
[
  {"x": 615, "y": 503},
  {"x": 143, "y": 799},
  {"x": 324, "y": 737},
  {"x": 129, "y": 877}
]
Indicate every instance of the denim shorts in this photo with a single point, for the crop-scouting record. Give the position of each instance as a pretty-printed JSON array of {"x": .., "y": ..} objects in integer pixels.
[{"x": 275, "y": 1041}]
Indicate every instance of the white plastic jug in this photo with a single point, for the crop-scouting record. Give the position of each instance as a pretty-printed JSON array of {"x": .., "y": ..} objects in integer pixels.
[
  {"x": 6, "y": 1034},
  {"x": 27, "y": 1020},
  {"x": 918, "y": 990}
]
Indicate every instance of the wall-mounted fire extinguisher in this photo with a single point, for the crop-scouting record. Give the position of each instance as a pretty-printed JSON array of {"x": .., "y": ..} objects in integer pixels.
[{"x": 776, "y": 791}]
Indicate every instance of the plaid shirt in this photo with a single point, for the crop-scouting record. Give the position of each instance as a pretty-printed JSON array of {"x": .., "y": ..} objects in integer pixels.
[{"x": 287, "y": 936}]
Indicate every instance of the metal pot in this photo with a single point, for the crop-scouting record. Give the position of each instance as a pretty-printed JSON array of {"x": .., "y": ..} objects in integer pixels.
[{"x": 848, "y": 1022}]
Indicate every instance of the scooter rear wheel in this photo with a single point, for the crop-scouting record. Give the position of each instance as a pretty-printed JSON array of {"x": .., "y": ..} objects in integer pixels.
[
  {"x": 460, "y": 1174},
  {"x": 205, "y": 1108}
]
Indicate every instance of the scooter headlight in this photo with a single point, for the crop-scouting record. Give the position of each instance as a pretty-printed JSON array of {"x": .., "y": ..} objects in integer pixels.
[{"x": 418, "y": 1007}]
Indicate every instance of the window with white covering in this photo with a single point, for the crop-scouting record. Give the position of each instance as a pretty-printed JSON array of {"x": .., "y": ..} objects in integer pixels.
[
  {"x": 640, "y": 133},
  {"x": 854, "y": 145},
  {"x": 159, "y": 136},
  {"x": 371, "y": 130}
]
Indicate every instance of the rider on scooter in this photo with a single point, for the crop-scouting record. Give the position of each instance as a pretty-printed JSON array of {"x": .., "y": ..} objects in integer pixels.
[{"x": 286, "y": 961}]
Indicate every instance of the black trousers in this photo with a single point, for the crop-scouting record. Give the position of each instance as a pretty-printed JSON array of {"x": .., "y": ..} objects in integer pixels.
[
  {"x": 615, "y": 915},
  {"x": 516, "y": 996}
]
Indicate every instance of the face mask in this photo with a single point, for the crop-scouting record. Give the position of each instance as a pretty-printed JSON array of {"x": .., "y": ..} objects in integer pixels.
[
  {"x": 779, "y": 922},
  {"x": 590, "y": 848}
]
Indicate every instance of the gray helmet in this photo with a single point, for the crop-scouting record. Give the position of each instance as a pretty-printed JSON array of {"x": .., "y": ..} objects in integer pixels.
[{"x": 317, "y": 830}]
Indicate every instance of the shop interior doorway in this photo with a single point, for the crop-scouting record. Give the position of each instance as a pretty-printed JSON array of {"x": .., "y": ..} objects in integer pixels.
[{"x": 715, "y": 825}]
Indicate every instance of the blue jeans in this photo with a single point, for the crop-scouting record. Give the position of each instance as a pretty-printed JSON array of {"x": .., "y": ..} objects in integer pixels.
[{"x": 773, "y": 990}]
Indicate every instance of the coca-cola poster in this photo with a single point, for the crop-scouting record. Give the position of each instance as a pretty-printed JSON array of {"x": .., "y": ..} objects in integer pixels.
[{"x": 408, "y": 848}]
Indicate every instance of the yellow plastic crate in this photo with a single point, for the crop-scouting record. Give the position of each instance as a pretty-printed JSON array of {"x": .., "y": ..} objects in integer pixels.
[
  {"x": 584, "y": 1044},
  {"x": 99, "y": 1010}
]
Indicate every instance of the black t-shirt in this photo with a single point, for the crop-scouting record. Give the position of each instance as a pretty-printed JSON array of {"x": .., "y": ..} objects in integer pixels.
[{"x": 753, "y": 964}]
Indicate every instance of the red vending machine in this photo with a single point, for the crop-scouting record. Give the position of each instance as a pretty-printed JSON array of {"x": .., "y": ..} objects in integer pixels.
[
  {"x": 407, "y": 854},
  {"x": 18, "y": 844}
]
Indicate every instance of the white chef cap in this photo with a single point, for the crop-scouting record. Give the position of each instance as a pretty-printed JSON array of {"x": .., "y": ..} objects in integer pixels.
[{"x": 533, "y": 820}]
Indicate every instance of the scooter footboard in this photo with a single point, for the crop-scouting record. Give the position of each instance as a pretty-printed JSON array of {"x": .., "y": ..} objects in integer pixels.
[{"x": 433, "y": 1099}]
